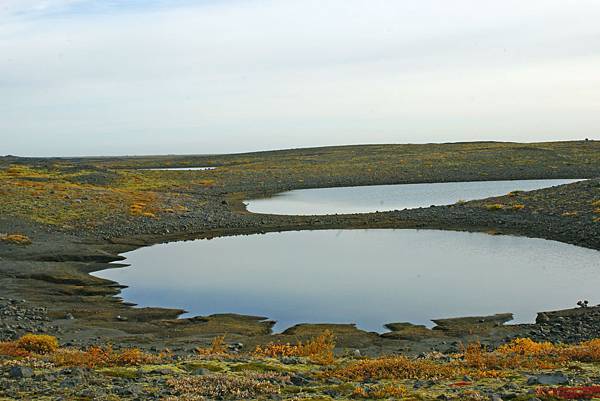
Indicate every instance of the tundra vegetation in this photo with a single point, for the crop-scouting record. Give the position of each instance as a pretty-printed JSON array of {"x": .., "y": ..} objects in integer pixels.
[
  {"x": 522, "y": 369},
  {"x": 84, "y": 193}
]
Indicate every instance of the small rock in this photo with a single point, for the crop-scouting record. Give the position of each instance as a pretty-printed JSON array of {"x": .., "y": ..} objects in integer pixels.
[
  {"x": 550, "y": 379},
  {"x": 299, "y": 380},
  {"x": 163, "y": 372},
  {"x": 20, "y": 372},
  {"x": 291, "y": 360},
  {"x": 201, "y": 372},
  {"x": 542, "y": 318}
]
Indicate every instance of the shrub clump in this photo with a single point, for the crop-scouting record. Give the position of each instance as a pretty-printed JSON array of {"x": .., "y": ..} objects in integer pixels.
[
  {"x": 526, "y": 346},
  {"x": 319, "y": 349},
  {"x": 494, "y": 206},
  {"x": 587, "y": 351},
  {"x": 19, "y": 239},
  {"x": 217, "y": 347},
  {"x": 397, "y": 367},
  {"x": 46, "y": 347},
  {"x": 38, "y": 343},
  {"x": 519, "y": 353},
  {"x": 102, "y": 357},
  {"x": 526, "y": 353}
]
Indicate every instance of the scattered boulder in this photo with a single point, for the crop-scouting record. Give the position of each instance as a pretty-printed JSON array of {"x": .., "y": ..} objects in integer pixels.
[
  {"x": 20, "y": 372},
  {"x": 549, "y": 379}
]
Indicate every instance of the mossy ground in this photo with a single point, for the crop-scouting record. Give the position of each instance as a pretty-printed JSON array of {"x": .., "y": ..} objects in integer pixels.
[{"x": 246, "y": 375}]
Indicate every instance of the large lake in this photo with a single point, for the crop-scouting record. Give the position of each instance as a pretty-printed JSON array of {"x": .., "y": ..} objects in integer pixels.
[
  {"x": 368, "y": 277},
  {"x": 388, "y": 197}
]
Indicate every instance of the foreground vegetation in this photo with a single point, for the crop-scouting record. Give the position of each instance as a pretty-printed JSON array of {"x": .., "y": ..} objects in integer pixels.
[{"x": 522, "y": 370}]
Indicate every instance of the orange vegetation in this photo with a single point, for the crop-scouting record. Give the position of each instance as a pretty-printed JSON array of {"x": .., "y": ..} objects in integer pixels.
[
  {"x": 217, "y": 347},
  {"x": 38, "y": 343},
  {"x": 380, "y": 391},
  {"x": 18, "y": 239},
  {"x": 319, "y": 349},
  {"x": 47, "y": 347},
  {"x": 397, "y": 367}
]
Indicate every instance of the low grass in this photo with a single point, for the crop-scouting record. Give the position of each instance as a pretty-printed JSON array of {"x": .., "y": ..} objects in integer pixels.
[{"x": 55, "y": 197}]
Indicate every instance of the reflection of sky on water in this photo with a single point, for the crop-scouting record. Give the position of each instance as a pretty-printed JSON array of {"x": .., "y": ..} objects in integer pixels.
[
  {"x": 369, "y": 277},
  {"x": 388, "y": 197}
]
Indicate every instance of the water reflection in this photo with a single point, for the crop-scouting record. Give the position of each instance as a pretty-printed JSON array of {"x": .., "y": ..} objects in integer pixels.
[
  {"x": 179, "y": 169},
  {"x": 388, "y": 197},
  {"x": 369, "y": 277}
]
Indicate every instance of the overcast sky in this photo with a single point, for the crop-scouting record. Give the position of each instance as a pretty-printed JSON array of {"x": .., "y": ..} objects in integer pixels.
[{"x": 100, "y": 77}]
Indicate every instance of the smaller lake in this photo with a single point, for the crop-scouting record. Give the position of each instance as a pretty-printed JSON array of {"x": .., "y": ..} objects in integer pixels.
[
  {"x": 366, "y": 199},
  {"x": 368, "y": 277},
  {"x": 179, "y": 169}
]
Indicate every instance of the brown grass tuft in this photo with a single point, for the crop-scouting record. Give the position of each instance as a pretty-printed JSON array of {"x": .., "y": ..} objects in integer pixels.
[
  {"x": 19, "y": 239},
  {"x": 217, "y": 347},
  {"x": 319, "y": 349}
]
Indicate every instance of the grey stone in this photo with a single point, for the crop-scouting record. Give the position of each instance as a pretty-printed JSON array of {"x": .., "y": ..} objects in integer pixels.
[
  {"x": 550, "y": 379},
  {"x": 20, "y": 372},
  {"x": 201, "y": 372},
  {"x": 299, "y": 380}
]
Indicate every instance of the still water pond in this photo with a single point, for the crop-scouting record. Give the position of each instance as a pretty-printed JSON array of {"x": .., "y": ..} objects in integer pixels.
[
  {"x": 179, "y": 169},
  {"x": 368, "y": 277},
  {"x": 388, "y": 197}
]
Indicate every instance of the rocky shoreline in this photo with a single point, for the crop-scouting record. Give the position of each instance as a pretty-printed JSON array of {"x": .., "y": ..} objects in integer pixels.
[{"x": 53, "y": 271}]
